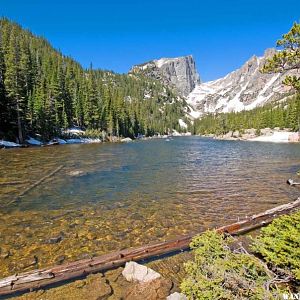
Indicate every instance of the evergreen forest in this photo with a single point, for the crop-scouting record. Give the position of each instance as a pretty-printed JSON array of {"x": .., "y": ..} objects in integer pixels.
[{"x": 44, "y": 92}]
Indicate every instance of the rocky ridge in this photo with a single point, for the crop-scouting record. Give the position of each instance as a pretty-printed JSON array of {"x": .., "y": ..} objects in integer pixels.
[
  {"x": 243, "y": 89},
  {"x": 179, "y": 72}
]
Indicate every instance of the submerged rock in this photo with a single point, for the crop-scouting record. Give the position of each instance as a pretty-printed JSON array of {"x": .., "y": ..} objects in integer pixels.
[
  {"x": 60, "y": 259},
  {"x": 157, "y": 289},
  {"x": 54, "y": 240},
  {"x": 5, "y": 254},
  {"x": 94, "y": 287},
  {"x": 136, "y": 272},
  {"x": 77, "y": 173}
]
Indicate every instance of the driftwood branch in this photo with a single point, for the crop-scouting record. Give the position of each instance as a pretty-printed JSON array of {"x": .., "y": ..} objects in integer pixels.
[
  {"x": 16, "y": 182},
  {"x": 35, "y": 184},
  {"x": 32, "y": 186},
  {"x": 292, "y": 182},
  {"x": 47, "y": 276}
]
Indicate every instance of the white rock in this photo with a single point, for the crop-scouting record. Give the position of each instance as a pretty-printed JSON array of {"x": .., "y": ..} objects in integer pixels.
[
  {"x": 177, "y": 296},
  {"x": 126, "y": 140},
  {"x": 136, "y": 272},
  {"x": 76, "y": 173}
]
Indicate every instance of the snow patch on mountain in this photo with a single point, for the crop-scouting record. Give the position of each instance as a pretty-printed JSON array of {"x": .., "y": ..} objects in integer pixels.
[
  {"x": 182, "y": 124},
  {"x": 243, "y": 89}
]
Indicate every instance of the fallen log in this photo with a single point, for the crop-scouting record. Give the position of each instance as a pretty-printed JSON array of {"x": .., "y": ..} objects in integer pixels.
[
  {"x": 58, "y": 274},
  {"x": 16, "y": 182},
  {"x": 40, "y": 181},
  {"x": 35, "y": 184},
  {"x": 292, "y": 182}
]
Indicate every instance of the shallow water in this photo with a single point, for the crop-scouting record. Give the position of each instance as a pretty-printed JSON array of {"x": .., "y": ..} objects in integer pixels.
[{"x": 113, "y": 196}]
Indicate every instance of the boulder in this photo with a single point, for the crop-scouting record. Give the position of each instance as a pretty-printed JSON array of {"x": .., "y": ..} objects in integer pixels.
[
  {"x": 251, "y": 131},
  {"x": 266, "y": 131},
  {"x": 139, "y": 273},
  {"x": 177, "y": 296},
  {"x": 236, "y": 134},
  {"x": 76, "y": 173},
  {"x": 228, "y": 134}
]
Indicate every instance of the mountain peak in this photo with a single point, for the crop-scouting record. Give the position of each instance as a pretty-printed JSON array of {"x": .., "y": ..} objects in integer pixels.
[
  {"x": 179, "y": 72},
  {"x": 242, "y": 89}
]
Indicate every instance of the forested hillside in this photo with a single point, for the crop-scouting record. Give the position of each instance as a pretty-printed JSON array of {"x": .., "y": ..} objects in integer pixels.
[
  {"x": 42, "y": 92},
  {"x": 283, "y": 114}
]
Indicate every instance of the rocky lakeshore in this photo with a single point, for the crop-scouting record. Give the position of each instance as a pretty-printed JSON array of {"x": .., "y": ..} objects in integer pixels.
[
  {"x": 78, "y": 136},
  {"x": 157, "y": 280}
]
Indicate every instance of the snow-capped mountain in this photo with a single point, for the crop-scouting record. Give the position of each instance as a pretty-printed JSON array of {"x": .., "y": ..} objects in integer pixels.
[
  {"x": 243, "y": 89},
  {"x": 179, "y": 72}
]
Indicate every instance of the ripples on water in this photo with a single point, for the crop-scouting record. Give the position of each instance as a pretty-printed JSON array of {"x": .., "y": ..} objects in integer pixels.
[{"x": 132, "y": 194}]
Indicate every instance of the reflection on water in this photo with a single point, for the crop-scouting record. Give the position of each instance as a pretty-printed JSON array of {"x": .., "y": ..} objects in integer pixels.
[{"x": 114, "y": 196}]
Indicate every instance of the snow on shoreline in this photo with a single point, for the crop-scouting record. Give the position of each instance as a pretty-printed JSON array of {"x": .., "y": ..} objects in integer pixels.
[
  {"x": 9, "y": 144},
  {"x": 33, "y": 142},
  {"x": 276, "y": 137},
  {"x": 82, "y": 141}
]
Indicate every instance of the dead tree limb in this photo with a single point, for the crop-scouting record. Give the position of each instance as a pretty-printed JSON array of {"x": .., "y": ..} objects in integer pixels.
[
  {"x": 35, "y": 184},
  {"x": 16, "y": 182},
  {"x": 292, "y": 182}
]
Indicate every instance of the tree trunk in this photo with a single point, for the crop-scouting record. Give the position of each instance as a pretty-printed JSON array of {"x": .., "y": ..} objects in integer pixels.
[{"x": 20, "y": 131}]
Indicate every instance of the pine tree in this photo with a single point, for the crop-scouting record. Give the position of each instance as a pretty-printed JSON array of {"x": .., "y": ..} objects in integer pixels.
[
  {"x": 13, "y": 83},
  {"x": 288, "y": 58},
  {"x": 42, "y": 91}
]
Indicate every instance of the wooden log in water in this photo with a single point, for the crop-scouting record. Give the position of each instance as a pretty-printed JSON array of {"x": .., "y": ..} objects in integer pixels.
[
  {"x": 292, "y": 182},
  {"x": 47, "y": 276},
  {"x": 35, "y": 184},
  {"x": 16, "y": 182},
  {"x": 40, "y": 181}
]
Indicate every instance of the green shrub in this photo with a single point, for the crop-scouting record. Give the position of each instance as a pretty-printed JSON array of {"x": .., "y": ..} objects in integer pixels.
[
  {"x": 279, "y": 243},
  {"x": 93, "y": 134},
  {"x": 218, "y": 273}
]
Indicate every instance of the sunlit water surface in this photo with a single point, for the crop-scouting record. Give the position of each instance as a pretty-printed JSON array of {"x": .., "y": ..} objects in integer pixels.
[{"x": 114, "y": 196}]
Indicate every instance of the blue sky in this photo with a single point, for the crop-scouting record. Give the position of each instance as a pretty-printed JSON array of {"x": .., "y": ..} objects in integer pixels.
[{"x": 115, "y": 34}]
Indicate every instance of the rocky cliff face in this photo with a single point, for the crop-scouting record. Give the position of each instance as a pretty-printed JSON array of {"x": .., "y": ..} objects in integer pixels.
[
  {"x": 178, "y": 72},
  {"x": 243, "y": 89}
]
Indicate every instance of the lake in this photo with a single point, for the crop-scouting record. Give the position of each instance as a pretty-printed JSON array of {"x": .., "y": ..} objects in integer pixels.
[{"x": 110, "y": 196}]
